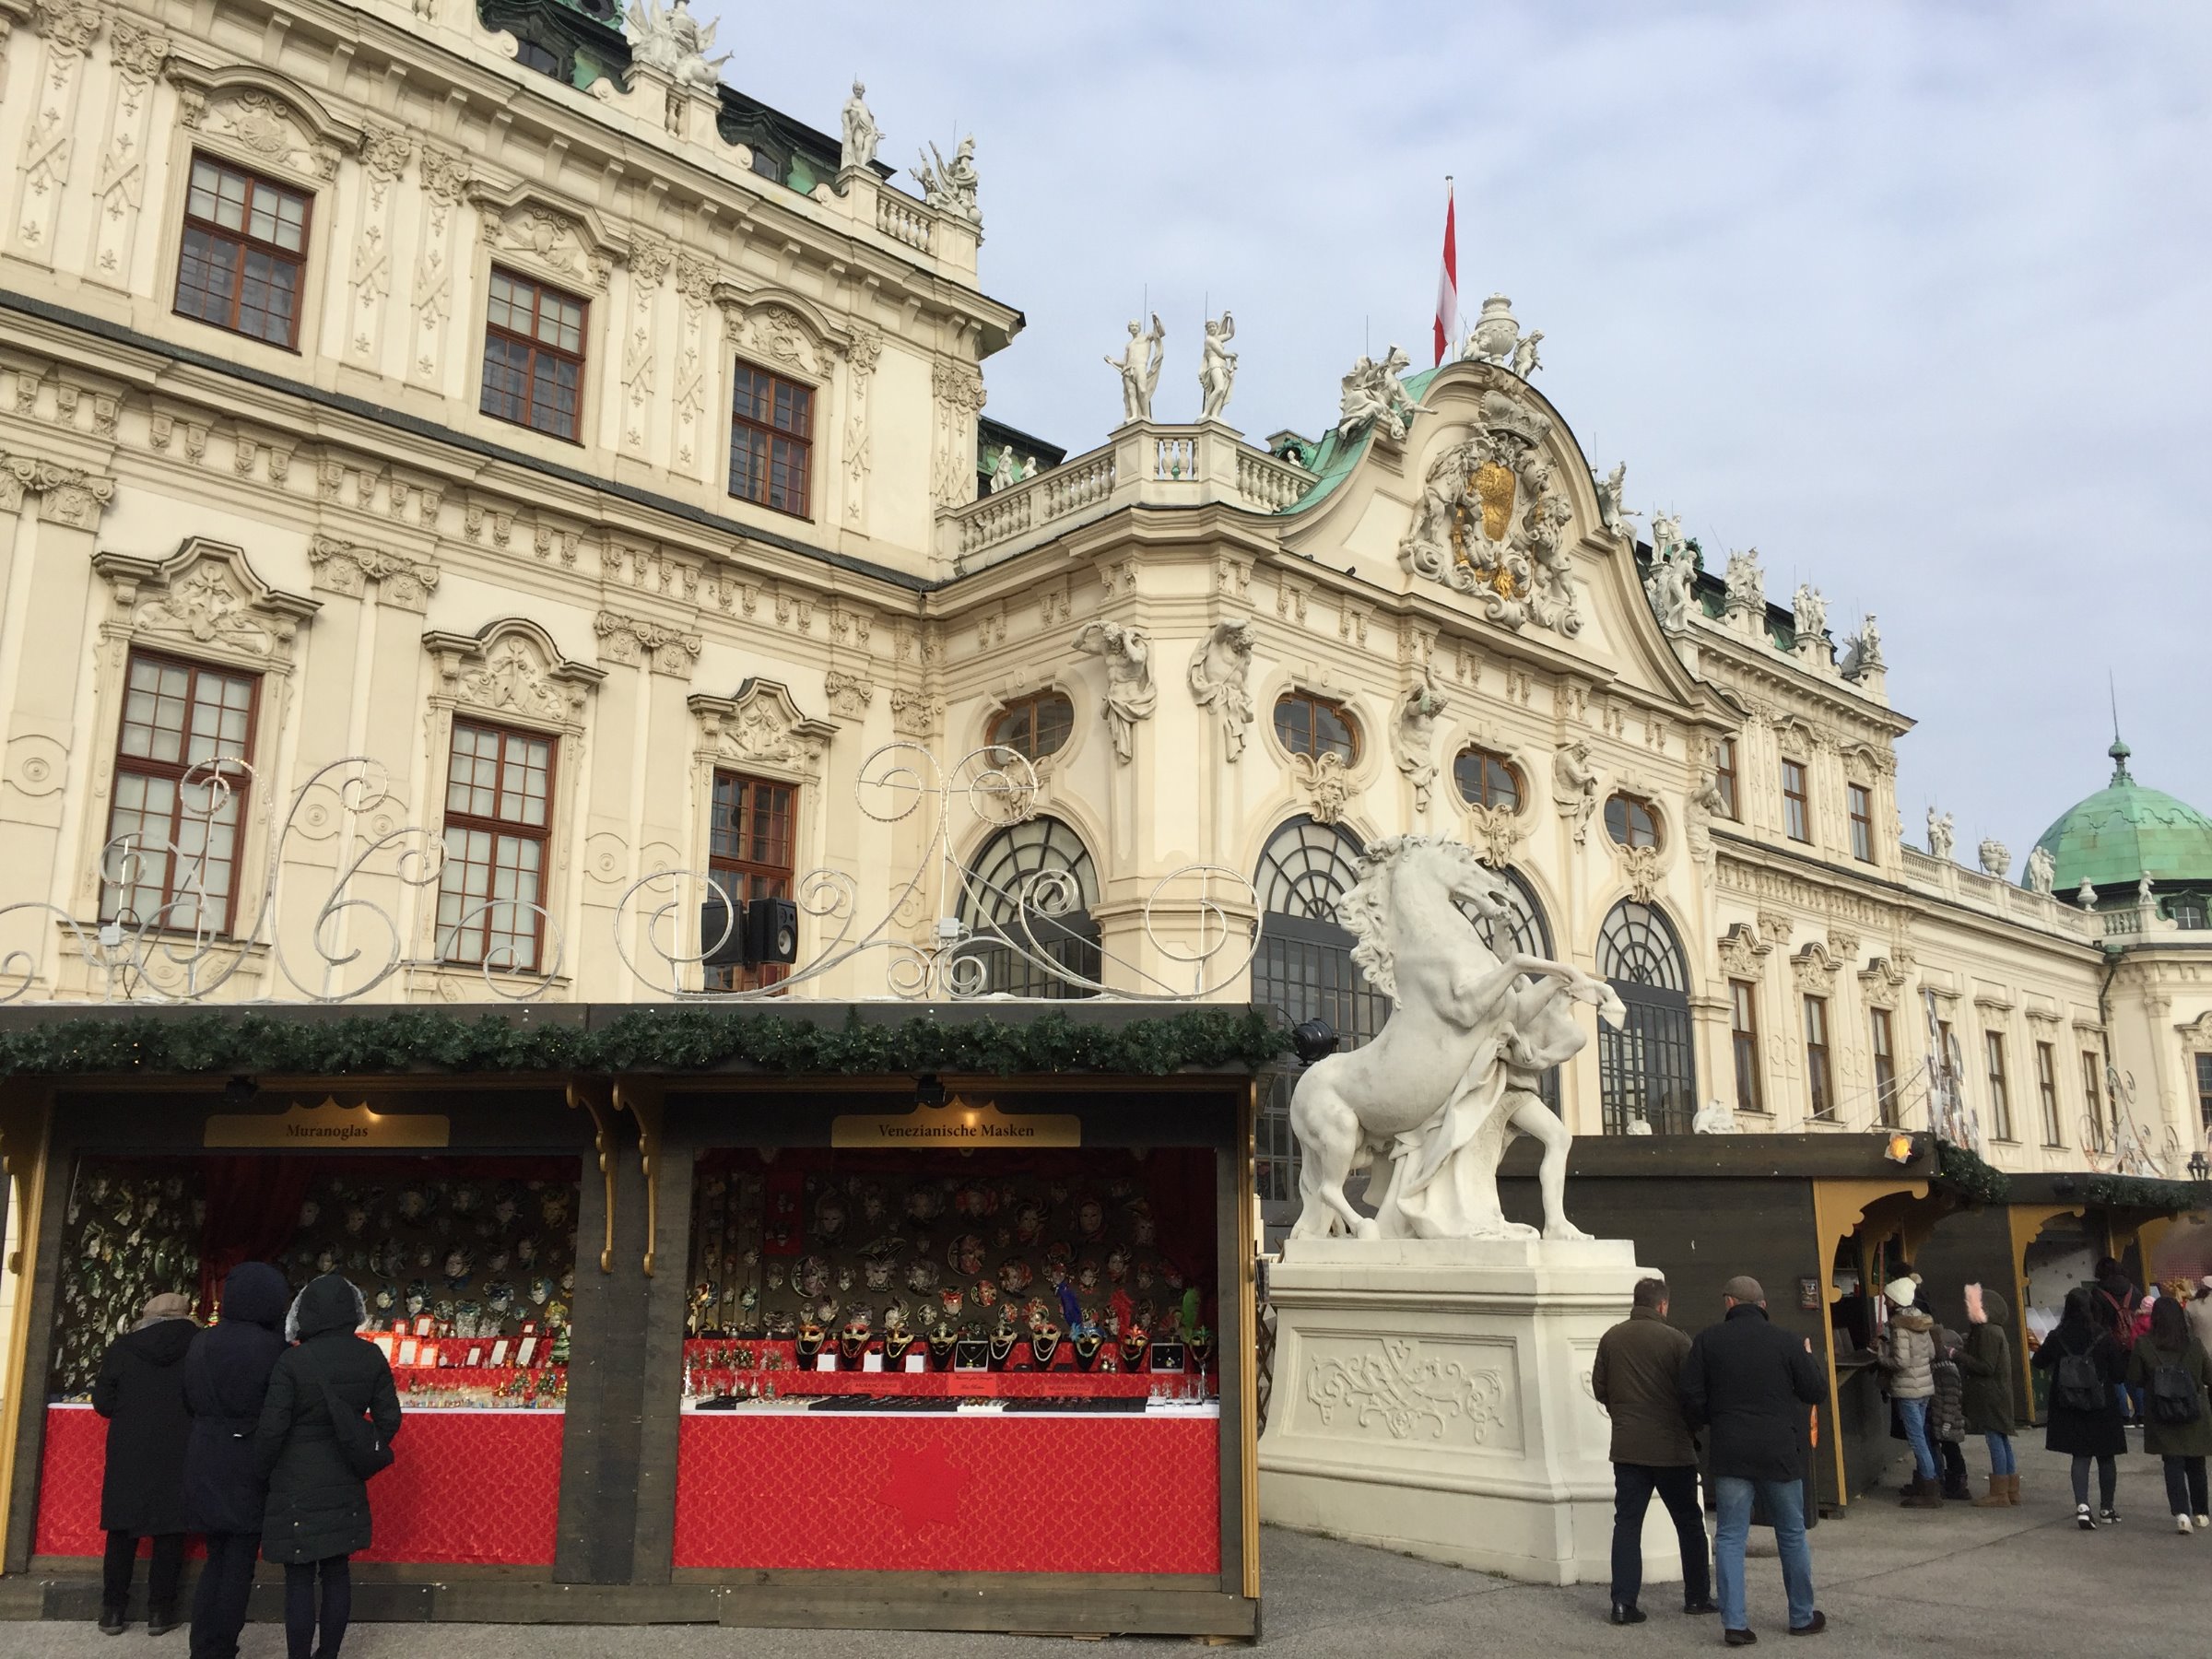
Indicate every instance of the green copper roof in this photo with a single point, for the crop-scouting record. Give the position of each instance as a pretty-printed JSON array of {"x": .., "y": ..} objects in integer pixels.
[
  {"x": 1333, "y": 463},
  {"x": 2125, "y": 832}
]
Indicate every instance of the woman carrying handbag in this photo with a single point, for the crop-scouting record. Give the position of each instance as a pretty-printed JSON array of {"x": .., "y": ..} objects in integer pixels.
[{"x": 318, "y": 1454}]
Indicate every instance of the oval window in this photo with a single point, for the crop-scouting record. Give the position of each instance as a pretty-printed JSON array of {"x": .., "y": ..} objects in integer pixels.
[
  {"x": 1306, "y": 725},
  {"x": 1035, "y": 726},
  {"x": 1632, "y": 822},
  {"x": 1487, "y": 779}
]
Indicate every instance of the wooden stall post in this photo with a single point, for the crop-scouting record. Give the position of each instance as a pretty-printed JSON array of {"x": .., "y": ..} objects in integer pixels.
[{"x": 25, "y": 1114}]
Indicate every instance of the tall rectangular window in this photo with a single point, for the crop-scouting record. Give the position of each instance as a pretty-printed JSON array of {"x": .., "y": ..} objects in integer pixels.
[
  {"x": 2204, "y": 1090},
  {"x": 1884, "y": 1068},
  {"x": 534, "y": 356},
  {"x": 750, "y": 842},
  {"x": 2092, "y": 1094},
  {"x": 181, "y": 794},
  {"x": 772, "y": 441},
  {"x": 1816, "y": 1068},
  {"x": 2000, "y": 1101},
  {"x": 1723, "y": 775},
  {"x": 1861, "y": 801},
  {"x": 498, "y": 797},
  {"x": 245, "y": 253},
  {"x": 1743, "y": 1019},
  {"x": 1797, "y": 811},
  {"x": 2046, "y": 1085}
]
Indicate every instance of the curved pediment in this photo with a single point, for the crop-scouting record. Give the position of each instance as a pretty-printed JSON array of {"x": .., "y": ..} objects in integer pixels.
[{"x": 1488, "y": 506}]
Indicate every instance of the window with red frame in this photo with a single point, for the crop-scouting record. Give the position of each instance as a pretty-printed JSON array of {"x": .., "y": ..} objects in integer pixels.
[
  {"x": 180, "y": 794},
  {"x": 499, "y": 798},
  {"x": 534, "y": 356},
  {"x": 772, "y": 441},
  {"x": 749, "y": 846},
  {"x": 243, "y": 259}
]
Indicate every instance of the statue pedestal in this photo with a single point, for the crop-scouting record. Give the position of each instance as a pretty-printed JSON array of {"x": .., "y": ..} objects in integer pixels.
[{"x": 1432, "y": 1396}]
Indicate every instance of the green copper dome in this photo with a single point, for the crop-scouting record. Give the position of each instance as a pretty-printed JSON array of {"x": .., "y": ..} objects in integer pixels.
[{"x": 2125, "y": 832}]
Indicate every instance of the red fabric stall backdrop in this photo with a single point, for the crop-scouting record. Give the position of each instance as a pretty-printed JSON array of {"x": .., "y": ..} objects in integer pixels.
[
  {"x": 477, "y": 1487},
  {"x": 866, "y": 1491}
]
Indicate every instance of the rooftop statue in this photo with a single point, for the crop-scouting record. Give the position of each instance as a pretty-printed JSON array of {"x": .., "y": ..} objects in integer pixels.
[
  {"x": 1218, "y": 368},
  {"x": 1996, "y": 858},
  {"x": 1862, "y": 650},
  {"x": 1809, "y": 611},
  {"x": 1668, "y": 585},
  {"x": 1457, "y": 1068},
  {"x": 861, "y": 133},
  {"x": 1372, "y": 392},
  {"x": 951, "y": 186},
  {"x": 673, "y": 41},
  {"x": 1612, "y": 504},
  {"x": 1139, "y": 368},
  {"x": 1526, "y": 361},
  {"x": 2042, "y": 869},
  {"x": 1941, "y": 836},
  {"x": 1747, "y": 584},
  {"x": 1495, "y": 334}
]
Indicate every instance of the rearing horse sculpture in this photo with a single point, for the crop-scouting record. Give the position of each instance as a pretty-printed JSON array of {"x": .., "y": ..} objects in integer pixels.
[{"x": 1454, "y": 1070}]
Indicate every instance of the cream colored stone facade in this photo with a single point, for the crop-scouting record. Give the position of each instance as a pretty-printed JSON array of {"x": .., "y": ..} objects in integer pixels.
[{"x": 343, "y": 523}]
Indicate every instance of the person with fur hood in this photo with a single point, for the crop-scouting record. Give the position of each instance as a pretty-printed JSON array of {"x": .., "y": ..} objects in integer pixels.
[
  {"x": 1991, "y": 1402},
  {"x": 1908, "y": 1354}
]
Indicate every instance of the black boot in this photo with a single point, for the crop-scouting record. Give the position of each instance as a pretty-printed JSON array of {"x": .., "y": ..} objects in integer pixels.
[
  {"x": 111, "y": 1622},
  {"x": 161, "y": 1621}
]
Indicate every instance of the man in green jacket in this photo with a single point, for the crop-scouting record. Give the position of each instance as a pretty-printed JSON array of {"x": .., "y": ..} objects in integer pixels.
[{"x": 1638, "y": 1379}]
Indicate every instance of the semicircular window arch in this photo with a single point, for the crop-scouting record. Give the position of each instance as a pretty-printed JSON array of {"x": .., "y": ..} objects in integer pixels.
[
  {"x": 1647, "y": 1065},
  {"x": 1034, "y": 954}
]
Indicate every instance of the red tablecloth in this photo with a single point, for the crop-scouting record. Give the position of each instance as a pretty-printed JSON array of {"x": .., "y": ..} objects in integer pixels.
[
  {"x": 463, "y": 1485},
  {"x": 934, "y": 1493}
]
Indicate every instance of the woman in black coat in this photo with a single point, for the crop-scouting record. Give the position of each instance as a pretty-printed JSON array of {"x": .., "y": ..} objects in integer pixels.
[
  {"x": 140, "y": 1391},
  {"x": 2100, "y": 1434},
  {"x": 318, "y": 1508},
  {"x": 226, "y": 1379}
]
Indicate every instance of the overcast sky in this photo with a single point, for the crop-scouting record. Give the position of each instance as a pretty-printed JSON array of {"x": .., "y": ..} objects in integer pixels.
[{"x": 1914, "y": 298}]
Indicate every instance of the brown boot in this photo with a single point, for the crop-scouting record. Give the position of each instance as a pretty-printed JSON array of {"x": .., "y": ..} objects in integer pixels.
[
  {"x": 1925, "y": 1494},
  {"x": 2012, "y": 1488},
  {"x": 1998, "y": 1497}
]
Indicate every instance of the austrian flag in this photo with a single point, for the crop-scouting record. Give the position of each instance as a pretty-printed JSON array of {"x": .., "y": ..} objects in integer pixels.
[{"x": 1447, "y": 283}]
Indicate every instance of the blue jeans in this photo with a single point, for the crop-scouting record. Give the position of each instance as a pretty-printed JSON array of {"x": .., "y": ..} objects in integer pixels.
[
  {"x": 2001, "y": 1459},
  {"x": 1785, "y": 1502},
  {"x": 1913, "y": 1415}
]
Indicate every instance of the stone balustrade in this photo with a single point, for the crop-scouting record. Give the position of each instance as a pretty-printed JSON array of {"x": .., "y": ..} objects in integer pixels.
[
  {"x": 1977, "y": 891},
  {"x": 903, "y": 220},
  {"x": 1144, "y": 463}
]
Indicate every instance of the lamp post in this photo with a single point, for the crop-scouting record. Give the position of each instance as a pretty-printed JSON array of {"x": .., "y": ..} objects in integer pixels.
[{"x": 2200, "y": 1179}]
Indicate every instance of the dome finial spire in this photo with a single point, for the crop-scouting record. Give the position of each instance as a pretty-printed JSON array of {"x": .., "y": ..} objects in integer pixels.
[{"x": 2119, "y": 751}]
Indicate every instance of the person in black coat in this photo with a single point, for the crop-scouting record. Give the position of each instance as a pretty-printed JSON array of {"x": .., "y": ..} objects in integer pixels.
[
  {"x": 318, "y": 1508},
  {"x": 140, "y": 1391},
  {"x": 1751, "y": 1385},
  {"x": 225, "y": 1377},
  {"x": 2082, "y": 1435}
]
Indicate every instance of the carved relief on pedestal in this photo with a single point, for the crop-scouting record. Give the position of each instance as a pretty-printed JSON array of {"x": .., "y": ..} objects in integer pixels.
[
  {"x": 1409, "y": 1394},
  {"x": 344, "y": 566}
]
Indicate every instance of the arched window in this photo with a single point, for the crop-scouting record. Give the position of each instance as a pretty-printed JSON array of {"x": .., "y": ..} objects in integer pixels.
[
  {"x": 1525, "y": 931},
  {"x": 1647, "y": 1068},
  {"x": 1487, "y": 780},
  {"x": 1306, "y": 725},
  {"x": 1035, "y": 726},
  {"x": 1632, "y": 822},
  {"x": 1005, "y": 871},
  {"x": 1304, "y": 968}
]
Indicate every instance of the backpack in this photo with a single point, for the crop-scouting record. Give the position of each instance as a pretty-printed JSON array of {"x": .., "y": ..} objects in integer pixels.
[
  {"x": 2175, "y": 1399},
  {"x": 2124, "y": 1319},
  {"x": 365, "y": 1451},
  {"x": 2077, "y": 1384}
]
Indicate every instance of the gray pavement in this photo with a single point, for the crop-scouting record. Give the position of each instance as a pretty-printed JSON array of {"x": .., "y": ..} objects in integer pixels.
[{"x": 1891, "y": 1581}]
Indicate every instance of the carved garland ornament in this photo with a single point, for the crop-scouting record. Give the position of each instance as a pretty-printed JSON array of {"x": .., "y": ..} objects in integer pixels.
[
  {"x": 512, "y": 668},
  {"x": 1395, "y": 1384},
  {"x": 761, "y": 726},
  {"x": 1491, "y": 519},
  {"x": 206, "y": 596}
]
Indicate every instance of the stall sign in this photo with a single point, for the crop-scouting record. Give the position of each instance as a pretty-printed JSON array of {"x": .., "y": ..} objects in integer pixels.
[
  {"x": 328, "y": 1127},
  {"x": 960, "y": 1123}
]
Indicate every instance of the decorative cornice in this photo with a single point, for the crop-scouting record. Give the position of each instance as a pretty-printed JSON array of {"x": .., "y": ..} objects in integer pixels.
[
  {"x": 343, "y": 567},
  {"x": 67, "y": 495},
  {"x": 631, "y": 639}
]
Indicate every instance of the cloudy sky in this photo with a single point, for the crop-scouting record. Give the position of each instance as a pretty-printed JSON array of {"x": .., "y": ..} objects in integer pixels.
[{"x": 1912, "y": 297}]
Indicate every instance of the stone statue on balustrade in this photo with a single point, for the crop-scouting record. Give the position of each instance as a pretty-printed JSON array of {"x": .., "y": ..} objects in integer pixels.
[
  {"x": 1139, "y": 368},
  {"x": 1808, "y": 612},
  {"x": 1218, "y": 368},
  {"x": 1526, "y": 361},
  {"x": 2042, "y": 872},
  {"x": 1942, "y": 835},
  {"x": 1668, "y": 584},
  {"x": 1995, "y": 857},
  {"x": 861, "y": 133},
  {"x": 673, "y": 42},
  {"x": 952, "y": 187},
  {"x": 1862, "y": 650},
  {"x": 1431, "y": 1104},
  {"x": 1374, "y": 393},
  {"x": 1612, "y": 502}
]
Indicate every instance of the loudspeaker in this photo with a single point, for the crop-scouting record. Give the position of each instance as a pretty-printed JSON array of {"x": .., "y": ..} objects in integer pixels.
[
  {"x": 771, "y": 930},
  {"x": 715, "y": 916}
]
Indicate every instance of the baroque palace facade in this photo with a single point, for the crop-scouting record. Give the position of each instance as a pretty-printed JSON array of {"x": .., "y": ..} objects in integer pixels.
[{"x": 607, "y": 465}]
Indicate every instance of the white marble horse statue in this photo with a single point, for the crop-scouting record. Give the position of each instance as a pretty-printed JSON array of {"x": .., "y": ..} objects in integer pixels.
[{"x": 1455, "y": 1072}]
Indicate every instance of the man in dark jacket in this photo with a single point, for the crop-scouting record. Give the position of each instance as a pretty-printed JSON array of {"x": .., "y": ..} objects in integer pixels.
[
  {"x": 140, "y": 1391},
  {"x": 1638, "y": 1380},
  {"x": 1751, "y": 1385},
  {"x": 226, "y": 1377}
]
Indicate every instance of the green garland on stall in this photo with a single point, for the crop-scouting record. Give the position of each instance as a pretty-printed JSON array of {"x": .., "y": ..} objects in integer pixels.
[
  {"x": 205, "y": 1042},
  {"x": 2139, "y": 1192},
  {"x": 1964, "y": 1170}
]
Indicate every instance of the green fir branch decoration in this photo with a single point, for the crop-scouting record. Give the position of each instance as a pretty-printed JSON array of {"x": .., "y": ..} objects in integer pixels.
[{"x": 1964, "y": 1171}]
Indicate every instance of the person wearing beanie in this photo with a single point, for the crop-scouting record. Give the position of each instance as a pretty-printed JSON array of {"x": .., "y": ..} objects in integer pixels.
[
  {"x": 1908, "y": 1355},
  {"x": 226, "y": 1379},
  {"x": 140, "y": 1391},
  {"x": 1990, "y": 1403},
  {"x": 2169, "y": 1370},
  {"x": 1751, "y": 1383}
]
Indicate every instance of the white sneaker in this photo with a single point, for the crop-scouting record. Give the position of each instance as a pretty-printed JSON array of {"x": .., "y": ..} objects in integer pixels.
[
  {"x": 2182, "y": 1524},
  {"x": 2203, "y": 1522}
]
